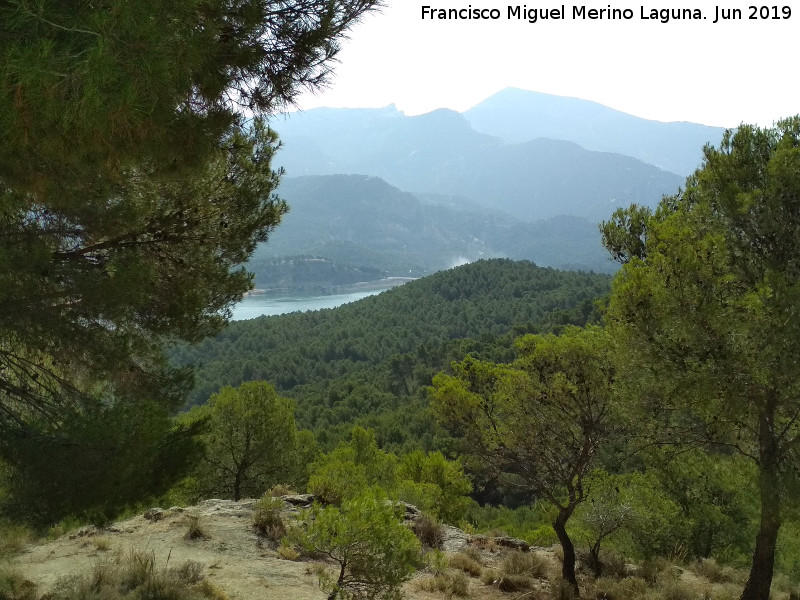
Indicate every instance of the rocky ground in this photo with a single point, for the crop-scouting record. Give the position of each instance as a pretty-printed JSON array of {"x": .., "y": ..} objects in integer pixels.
[
  {"x": 232, "y": 555},
  {"x": 228, "y": 553}
]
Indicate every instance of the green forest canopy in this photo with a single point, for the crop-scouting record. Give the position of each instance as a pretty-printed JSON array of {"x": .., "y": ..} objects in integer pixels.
[{"x": 360, "y": 360}]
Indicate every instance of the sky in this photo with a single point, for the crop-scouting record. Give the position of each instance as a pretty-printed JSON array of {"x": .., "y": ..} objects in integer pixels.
[{"x": 725, "y": 73}]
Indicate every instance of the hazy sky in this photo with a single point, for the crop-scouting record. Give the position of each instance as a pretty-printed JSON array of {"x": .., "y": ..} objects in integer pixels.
[{"x": 685, "y": 70}]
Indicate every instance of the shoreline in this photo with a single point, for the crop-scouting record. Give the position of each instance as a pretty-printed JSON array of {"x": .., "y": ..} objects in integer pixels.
[{"x": 386, "y": 283}]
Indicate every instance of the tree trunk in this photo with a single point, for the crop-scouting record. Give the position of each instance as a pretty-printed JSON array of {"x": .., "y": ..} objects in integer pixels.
[
  {"x": 335, "y": 593},
  {"x": 237, "y": 485},
  {"x": 594, "y": 559},
  {"x": 760, "y": 580},
  {"x": 568, "y": 565}
]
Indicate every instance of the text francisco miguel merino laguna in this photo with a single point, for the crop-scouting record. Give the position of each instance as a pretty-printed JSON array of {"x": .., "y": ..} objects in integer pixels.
[{"x": 582, "y": 12}]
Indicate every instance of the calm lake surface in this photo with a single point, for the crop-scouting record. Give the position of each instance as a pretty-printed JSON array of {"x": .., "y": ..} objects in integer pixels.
[{"x": 257, "y": 305}]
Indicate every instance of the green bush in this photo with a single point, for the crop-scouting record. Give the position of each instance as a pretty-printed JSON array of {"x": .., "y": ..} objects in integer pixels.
[{"x": 375, "y": 553}]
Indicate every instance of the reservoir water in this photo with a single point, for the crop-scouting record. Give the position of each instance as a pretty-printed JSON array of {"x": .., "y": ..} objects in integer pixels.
[{"x": 256, "y": 305}]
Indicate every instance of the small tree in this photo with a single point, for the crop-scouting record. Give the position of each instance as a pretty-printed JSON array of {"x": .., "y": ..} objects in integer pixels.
[
  {"x": 538, "y": 422},
  {"x": 375, "y": 553},
  {"x": 632, "y": 509},
  {"x": 251, "y": 440}
]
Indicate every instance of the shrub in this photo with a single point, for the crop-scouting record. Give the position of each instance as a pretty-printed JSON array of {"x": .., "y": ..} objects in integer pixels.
[
  {"x": 195, "y": 529},
  {"x": 437, "y": 562},
  {"x": 278, "y": 490},
  {"x": 652, "y": 568},
  {"x": 267, "y": 520},
  {"x": 673, "y": 589},
  {"x": 490, "y": 576},
  {"x": 428, "y": 531},
  {"x": 613, "y": 565},
  {"x": 514, "y": 583},
  {"x": 375, "y": 553},
  {"x": 543, "y": 536},
  {"x": 713, "y": 571},
  {"x": 629, "y": 588}
]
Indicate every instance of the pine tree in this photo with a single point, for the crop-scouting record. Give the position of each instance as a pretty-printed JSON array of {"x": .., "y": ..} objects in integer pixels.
[{"x": 135, "y": 179}]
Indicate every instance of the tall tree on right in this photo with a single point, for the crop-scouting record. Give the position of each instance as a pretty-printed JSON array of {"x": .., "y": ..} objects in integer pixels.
[{"x": 705, "y": 312}]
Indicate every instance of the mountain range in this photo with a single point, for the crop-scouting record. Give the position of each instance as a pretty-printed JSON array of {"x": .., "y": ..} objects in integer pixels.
[{"x": 523, "y": 175}]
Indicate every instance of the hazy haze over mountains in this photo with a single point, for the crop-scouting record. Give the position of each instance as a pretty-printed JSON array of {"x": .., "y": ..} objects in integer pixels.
[
  {"x": 522, "y": 174},
  {"x": 440, "y": 152}
]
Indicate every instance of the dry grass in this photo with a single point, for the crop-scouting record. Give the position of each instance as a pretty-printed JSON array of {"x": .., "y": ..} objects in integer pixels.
[
  {"x": 629, "y": 588},
  {"x": 529, "y": 564},
  {"x": 287, "y": 552},
  {"x": 281, "y": 489},
  {"x": 13, "y": 586},
  {"x": 726, "y": 591},
  {"x": 680, "y": 590},
  {"x": 709, "y": 569},
  {"x": 450, "y": 584},
  {"x": 514, "y": 583},
  {"x": 102, "y": 544},
  {"x": 490, "y": 576},
  {"x": 136, "y": 576},
  {"x": 466, "y": 563},
  {"x": 561, "y": 590},
  {"x": 210, "y": 591}
]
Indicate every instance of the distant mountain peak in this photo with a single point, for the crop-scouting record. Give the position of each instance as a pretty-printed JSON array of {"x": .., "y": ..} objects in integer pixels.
[{"x": 517, "y": 115}]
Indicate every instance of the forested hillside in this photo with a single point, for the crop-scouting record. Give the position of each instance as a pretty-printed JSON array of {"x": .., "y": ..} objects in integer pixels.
[
  {"x": 371, "y": 229},
  {"x": 355, "y": 362}
]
